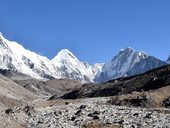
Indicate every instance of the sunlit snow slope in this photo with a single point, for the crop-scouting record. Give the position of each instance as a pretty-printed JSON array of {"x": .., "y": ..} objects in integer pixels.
[{"x": 65, "y": 65}]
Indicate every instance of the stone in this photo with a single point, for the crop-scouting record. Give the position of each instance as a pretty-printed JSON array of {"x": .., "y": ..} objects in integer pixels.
[
  {"x": 95, "y": 118},
  {"x": 8, "y": 111},
  {"x": 82, "y": 106},
  {"x": 73, "y": 118},
  {"x": 78, "y": 113}
]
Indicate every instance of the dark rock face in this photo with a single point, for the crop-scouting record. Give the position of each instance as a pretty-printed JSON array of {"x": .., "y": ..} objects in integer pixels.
[
  {"x": 4, "y": 71},
  {"x": 168, "y": 58},
  {"x": 150, "y": 80},
  {"x": 10, "y": 73}
]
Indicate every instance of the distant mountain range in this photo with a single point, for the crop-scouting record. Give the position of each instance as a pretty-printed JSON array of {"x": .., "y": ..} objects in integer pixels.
[{"x": 65, "y": 64}]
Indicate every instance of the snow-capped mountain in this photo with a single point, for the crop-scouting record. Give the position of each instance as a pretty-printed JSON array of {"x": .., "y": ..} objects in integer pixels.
[
  {"x": 70, "y": 67},
  {"x": 13, "y": 56},
  {"x": 65, "y": 64},
  {"x": 128, "y": 62}
]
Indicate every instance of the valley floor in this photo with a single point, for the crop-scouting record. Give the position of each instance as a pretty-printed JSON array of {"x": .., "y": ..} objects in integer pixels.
[{"x": 85, "y": 113}]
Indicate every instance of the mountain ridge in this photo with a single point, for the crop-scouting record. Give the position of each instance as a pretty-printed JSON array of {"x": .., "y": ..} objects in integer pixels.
[
  {"x": 65, "y": 64},
  {"x": 128, "y": 62}
]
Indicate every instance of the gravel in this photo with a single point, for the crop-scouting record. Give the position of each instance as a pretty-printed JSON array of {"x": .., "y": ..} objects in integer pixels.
[{"x": 73, "y": 116}]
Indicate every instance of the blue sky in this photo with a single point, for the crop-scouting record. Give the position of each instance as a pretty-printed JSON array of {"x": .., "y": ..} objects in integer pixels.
[{"x": 94, "y": 30}]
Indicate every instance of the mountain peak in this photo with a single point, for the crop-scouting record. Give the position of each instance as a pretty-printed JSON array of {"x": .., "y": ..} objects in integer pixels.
[
  {"x": 65, "y": 50},
  {"x": 127, "y": 49},
  {"x": 64, "y": 54}
]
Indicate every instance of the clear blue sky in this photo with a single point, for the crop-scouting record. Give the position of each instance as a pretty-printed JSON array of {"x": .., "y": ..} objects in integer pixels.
[{"x": 94, "y": 30}]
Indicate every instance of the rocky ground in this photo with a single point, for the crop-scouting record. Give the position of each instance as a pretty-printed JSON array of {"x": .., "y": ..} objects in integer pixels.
[
  {"x": 85, "y": 113},
  {"x": 29, "y": 103}
]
